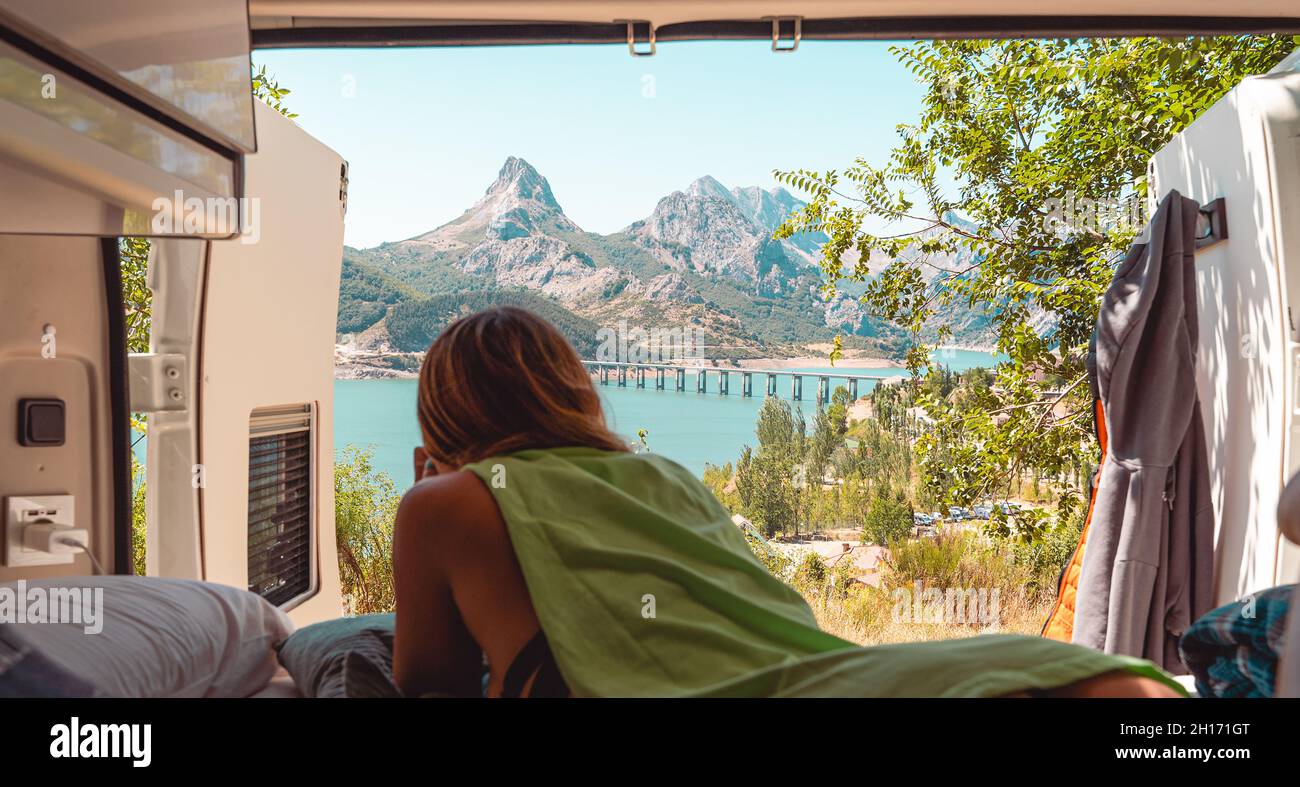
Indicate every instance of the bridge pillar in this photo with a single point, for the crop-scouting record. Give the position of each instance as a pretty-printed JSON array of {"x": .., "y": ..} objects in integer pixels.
[
  {"x": 724, "y": 382},
  {"x": 659, "y": 379},
  {"x": 796, "y": 387},
  {"x": 681, "y": 379},
  {"x": 604, "y": 374},
  {"x": 746, "y": 384},
  {"x": 823, "y": 389},
  {"x": 853, "y": 389},
  {"x": 771, "y": 385},
  {"x": 622, "y": 377},
  {"x": 640, "y": 377},
  {"x": 701, "y": 381}
]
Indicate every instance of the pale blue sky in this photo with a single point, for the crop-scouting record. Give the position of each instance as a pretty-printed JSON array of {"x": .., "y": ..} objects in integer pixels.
[{"x": 426, "y": 130}]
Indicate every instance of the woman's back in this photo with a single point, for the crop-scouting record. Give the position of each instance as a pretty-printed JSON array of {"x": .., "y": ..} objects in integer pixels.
[
  {"x": 460, "y": 590},
  {"x": 640, "y": 579}
]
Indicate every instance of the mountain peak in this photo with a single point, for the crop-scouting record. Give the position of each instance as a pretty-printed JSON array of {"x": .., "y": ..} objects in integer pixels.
[
  {"x": 519, "y": 203},
  {"x": 709, "y": 186},
  {"x": 520, "y": 179},
  {"x": 514, "y": 167}
]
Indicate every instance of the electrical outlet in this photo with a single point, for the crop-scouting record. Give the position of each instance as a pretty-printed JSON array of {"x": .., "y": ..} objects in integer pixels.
[{"x": 23, "y": 512}]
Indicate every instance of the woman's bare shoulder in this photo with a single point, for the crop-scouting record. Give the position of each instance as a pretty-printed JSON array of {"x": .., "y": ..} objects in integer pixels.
[{"x": 451, "y": 499}]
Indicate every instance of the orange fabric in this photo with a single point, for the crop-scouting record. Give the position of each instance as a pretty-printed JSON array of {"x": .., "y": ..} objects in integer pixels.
[{"x": 1060, "y": 624}]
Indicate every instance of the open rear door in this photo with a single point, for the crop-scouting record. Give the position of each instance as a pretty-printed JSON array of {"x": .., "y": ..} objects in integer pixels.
[
  {"x": 265, "y": 382},
  {"x": 1246, "y": 150}
]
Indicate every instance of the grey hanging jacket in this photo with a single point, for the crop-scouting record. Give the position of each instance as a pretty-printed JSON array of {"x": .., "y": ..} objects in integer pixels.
[{"x": 1149, "y": 562}]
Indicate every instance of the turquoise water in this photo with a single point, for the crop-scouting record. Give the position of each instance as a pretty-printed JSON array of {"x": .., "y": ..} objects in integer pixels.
[{"x": 688, "y": 427}]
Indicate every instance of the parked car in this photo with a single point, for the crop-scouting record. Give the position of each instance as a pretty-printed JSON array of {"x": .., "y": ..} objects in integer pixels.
[
  {"x": 982, "y": 512},
  {"x": 958, "y": 514}
]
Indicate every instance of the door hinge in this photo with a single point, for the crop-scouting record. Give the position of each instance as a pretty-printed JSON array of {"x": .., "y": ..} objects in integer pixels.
[{"x": 159, "y": 382}]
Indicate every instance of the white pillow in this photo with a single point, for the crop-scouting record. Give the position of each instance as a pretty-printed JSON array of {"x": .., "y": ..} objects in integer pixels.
[{"x": 158, "y": 637}]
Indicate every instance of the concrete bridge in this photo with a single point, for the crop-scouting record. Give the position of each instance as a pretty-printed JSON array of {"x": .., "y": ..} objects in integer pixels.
[{"x": 621, "y": 372}]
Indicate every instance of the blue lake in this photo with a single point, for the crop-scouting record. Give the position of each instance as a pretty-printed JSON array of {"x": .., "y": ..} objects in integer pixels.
[{"x": 688, "y": 427}]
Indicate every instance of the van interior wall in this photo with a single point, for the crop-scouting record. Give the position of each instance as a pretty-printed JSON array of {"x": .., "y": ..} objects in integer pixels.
[{"x": 55, "y": 344}]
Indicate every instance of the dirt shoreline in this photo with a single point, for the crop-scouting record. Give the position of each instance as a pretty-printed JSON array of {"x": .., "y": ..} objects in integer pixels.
[{"x": 353, "y": 364}]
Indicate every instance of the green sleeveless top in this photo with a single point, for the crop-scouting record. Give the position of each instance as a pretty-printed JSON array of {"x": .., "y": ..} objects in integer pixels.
[{"x": 645, "y": 587}]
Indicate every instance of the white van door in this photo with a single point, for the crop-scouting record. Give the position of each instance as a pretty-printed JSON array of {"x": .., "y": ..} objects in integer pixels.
[
  {"x": 263, "y": 380},
  {"x": 1245, "y": 150}
]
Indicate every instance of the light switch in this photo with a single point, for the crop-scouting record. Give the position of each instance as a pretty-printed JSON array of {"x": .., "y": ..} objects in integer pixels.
[{"x": 41, "y": 422}]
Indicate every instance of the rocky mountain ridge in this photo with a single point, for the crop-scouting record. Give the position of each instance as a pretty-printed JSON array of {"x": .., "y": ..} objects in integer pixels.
[{"x": 705, "y": 257}]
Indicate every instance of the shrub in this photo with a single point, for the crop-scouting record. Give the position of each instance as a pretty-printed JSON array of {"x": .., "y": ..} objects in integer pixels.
[
  {"x": 1046, "y": 557},
  {"x": 810, "y": 574},
  {"x": 888, "y": 519},
  {"x": 956, "y": 558},
  {"x": 842, "y": 576},
  {"x": 775, "y": 561},
  {"x": 365, "y": 508},
  {"x": 138, "y": 529}
]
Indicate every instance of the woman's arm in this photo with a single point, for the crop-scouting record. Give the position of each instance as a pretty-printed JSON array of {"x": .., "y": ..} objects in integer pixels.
[{"x": 432, "y": 651}]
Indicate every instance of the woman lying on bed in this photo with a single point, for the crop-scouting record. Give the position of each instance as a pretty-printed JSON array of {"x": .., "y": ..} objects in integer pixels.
[{"x": 536, "y": 539}]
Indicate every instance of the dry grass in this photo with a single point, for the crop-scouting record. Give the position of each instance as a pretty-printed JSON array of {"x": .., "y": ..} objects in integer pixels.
[
  {"x": 866, "y": 617},
  {"x": 1018, "y": 590}
]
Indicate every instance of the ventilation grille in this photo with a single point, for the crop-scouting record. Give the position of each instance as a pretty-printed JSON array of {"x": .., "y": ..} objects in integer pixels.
[{"x": 280, "y": 521}]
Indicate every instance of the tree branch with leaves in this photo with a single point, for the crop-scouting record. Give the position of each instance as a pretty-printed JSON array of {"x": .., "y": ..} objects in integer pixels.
[{"x": 967, "y": 211}]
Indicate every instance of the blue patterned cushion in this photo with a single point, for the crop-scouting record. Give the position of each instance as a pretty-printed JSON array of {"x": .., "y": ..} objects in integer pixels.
[
  {"x": 348, "y": 657},
  {"x": 1233, "y": 650}
]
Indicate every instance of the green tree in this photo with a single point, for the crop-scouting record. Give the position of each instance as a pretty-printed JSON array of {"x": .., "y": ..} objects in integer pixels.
[
  {"x": 1009, "y": 131},
  {"x": 721, "y": 481},
  {"x": 882, "y": 457},
  {"x": 888, "y": 519},
  {"x": 771, "y": 481},
  {"x": 365, "y": 509},
  {"x": 829, "y": 427}
]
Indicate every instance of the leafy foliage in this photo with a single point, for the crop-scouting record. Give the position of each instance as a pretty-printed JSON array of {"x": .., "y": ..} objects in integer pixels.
[
  {"x": 829, "y": 427},
  {"x": 1009, "y": 132},
  {"x": 888, "y": 519},
  {"x": 266, "y": 88},
  {"x": 771, "y": 481},
  {"x": 139, "y": 529},
  {"x": 810, "y": 573},
  {"x": 365, "y": 508},
  {"x": 137, "y": 298},
  {"x": 777, "y": 563}
]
